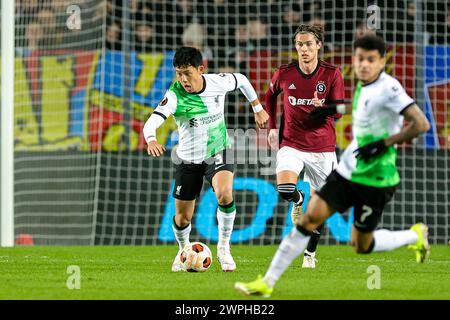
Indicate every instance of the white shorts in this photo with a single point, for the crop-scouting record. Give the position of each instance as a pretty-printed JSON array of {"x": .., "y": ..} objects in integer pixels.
[{"x": 318, "y": 165}]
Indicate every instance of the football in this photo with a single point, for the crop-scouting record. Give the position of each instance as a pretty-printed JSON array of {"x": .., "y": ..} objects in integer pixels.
[{"x": 196, "y": 257}]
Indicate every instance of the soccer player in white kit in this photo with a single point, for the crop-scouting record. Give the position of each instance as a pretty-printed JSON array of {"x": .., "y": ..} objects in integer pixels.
[
  {"x": 367, "y": 175},
  {"x": 196, "y": 101}
]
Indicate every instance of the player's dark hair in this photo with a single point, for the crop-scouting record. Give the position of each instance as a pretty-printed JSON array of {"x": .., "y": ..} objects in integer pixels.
[
  {"x": 315, "y": 29},
  {"x": 371, "y": 42},
  {"x": 187, "y": 56}
]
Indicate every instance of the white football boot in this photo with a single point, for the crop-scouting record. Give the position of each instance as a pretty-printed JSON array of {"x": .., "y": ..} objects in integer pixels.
[
  {"x": 309, "y": 261},
  {"x": 177, "y": 265},
  {"x": 226, "y": 259}
]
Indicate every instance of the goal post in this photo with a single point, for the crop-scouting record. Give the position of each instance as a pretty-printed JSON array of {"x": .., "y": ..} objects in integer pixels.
[{"x": 7, "y": 125}]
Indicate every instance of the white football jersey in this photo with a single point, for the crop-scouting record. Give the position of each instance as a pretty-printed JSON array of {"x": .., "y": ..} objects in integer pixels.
[
  {"x": 200, "y": 115},
  {"x": 376, "y": 115}
]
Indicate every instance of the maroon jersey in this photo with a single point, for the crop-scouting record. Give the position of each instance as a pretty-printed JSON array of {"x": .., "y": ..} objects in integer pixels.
[{"x": 296, "y": 130}]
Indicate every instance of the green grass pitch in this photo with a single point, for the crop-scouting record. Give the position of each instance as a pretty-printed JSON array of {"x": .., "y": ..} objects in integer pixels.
[{"x": 143, "y": 272}]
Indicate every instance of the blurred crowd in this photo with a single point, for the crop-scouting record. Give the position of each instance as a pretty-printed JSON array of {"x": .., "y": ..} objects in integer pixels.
[
  {"x": 225, "y": 30},
  {"x": 228, "y": 31}
]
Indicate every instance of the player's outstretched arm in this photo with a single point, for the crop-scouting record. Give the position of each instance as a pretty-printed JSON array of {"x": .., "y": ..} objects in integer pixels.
[
  {"x": 155, "y": 149},
  {"x": 154, "y": 122},
  {"x": 165, "y": 108},
  {"x": 417, "y": 125},
  {"x": 261, "y": 116}
]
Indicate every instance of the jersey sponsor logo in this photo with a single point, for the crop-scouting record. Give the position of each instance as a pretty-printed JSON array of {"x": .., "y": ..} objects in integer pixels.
[
  {"x": 305, "y": 102},
  {"x": 292, "y": 87},
  {"x": 321, "y": 87},
  {"x": 209, "y": 119},
  {"x": 163, "y": 102},
  {"x": 193, "y": 122}
]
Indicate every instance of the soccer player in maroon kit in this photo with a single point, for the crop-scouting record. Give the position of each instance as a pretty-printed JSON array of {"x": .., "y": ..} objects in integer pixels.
[{"x": 306, "y": 84}]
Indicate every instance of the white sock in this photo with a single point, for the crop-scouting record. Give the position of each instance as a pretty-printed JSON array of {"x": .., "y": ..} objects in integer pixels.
[
  {"x": 311, "y": 254},
  {"x": 225, "y": 223},
  {"x": 386, "y": 240},
  {"x": 182, "y": 236},
  {"x": 290, "y": 248}
]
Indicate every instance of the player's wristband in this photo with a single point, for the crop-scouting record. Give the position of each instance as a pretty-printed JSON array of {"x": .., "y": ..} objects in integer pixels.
[
  {"x": 257, "y": 108},
  {"x": 340, "y": 108},
  {"x": 150, "y": 138}
]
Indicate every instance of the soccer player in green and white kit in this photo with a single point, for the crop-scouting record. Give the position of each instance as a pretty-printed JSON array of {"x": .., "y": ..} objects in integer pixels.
[
  {"x": 196, "y": 101},
  {"x": 366, "y": 176}
]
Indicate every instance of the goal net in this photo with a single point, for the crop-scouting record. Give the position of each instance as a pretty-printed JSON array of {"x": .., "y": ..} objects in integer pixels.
[{"x": 88, "y": 74}]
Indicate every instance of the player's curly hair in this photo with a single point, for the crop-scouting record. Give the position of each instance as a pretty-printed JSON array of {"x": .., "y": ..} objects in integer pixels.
[
  {"x": 315, "y": 29},
  {"x": 187, "y": 56}
]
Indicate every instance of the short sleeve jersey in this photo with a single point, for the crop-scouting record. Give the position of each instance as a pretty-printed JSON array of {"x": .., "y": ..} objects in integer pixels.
[{"x": 377, "y": 109}]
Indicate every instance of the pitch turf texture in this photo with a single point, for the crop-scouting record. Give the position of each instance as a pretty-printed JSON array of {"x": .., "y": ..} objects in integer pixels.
[{"x": 137, "y": 272}]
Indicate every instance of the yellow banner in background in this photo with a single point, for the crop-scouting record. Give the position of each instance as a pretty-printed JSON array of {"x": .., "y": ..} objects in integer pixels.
[{"x": 344, "y": 131}]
